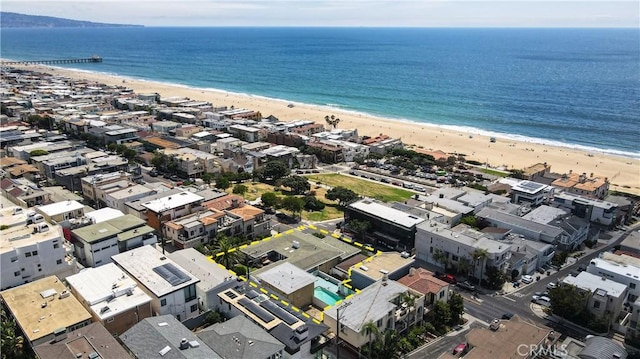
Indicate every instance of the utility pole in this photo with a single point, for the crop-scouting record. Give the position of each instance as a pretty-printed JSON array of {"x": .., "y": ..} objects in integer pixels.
[{"x": 343, "y": 307}]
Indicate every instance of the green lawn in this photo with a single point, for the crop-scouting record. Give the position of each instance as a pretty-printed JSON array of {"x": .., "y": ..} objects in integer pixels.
[
  {"x": 385, "y": 193},
  {"x": 494, "y": 172}
]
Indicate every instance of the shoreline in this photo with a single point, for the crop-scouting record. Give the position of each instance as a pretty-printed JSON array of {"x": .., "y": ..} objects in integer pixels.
[{"x": 508, "y": 152}]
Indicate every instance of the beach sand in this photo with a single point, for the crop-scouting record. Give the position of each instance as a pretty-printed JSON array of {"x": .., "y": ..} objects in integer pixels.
[{"x": 622, "y": 172}]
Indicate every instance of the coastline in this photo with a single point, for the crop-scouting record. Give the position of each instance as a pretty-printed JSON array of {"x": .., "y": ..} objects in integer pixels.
[{"x": 507, "y": 153}]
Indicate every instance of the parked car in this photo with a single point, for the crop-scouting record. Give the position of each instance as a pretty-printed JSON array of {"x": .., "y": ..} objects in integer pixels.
[
  {"x": 449, "y": 278},
  {"x": 460, "y": 349},
  {"x": 542, "y": 294},
  {"x": 551, "y": 285},
  {"x": 582, "y": 268},
  {"x": 466, "y": 285},
  {"x": 507, "y": 316},
  {"x": 526, "y": 279},
  {"x": 153, "y": 173}
]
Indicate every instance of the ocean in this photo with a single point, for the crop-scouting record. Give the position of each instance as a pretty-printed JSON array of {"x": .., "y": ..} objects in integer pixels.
[{"x": 568, "y": 87}]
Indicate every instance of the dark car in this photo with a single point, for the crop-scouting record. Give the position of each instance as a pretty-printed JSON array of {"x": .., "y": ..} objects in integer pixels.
[
  {"x": 582, "y": 268},
  {"x": 507, "y": 316},
  {"x": 153, "y": 173},
  {"x": 467, "y": 286}
]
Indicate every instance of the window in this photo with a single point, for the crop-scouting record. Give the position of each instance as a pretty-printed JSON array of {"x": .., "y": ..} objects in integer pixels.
[
  {"x": 14, "y": 259},
  {"x": 28, "y": 254},
  {"x": 56, "y": 246},
  {"x": 194, "y": 308},
  {"x": 632, "y": 285},
  {"x": 15, "y": 274},
  {"x": 163, "y": 302},
  {"x": 441, "y": 294},
  {"x": 59, "y": 261},
  {"x": 110, "y": 320},
  {"x": 454, "y": 258},
  {"x": 430, "y": 249},
  {"x": 190, "y": 293},
  {"x": 201, "y": 229},
  {"x": 596, "y": 304},
  {"x": 35, "y": 253}
]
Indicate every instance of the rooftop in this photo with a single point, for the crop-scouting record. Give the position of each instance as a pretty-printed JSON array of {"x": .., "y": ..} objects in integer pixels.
[
  {"x": 82, "y": 343},
  {"x": 169, "y": 202},
  {"x": 465, "y": 235},
  {"x": 529, "y": 187},
  {"x": 107, "y": 290},
  {"x": 60, "y": 208},
  {"x": 287, "y": 278},
  {"x": 592, "y": 283},
  {"x": 130, "y": 192},
  {"x": 311, "y": 252},
  {"x": 107, "y": 229},
  {"x": 545, "y": 214},
  {"x": 104, "y": 214},
  {"x": 20, "y": 236},
  {"x": 387, "y": 213},
  {"x": 194, "y": 262},
  {"x": 423, "y": 281},
  {"x": 516, "y": 221},
  {"x": 239, "y": 337},
  {"x": 40, "y": 310},
  {"x": 623, "y": 269},
  {"x": 381, "y": 264},
  {"x": 154, "y": 270},
  {"x": 159, "y": 337}
]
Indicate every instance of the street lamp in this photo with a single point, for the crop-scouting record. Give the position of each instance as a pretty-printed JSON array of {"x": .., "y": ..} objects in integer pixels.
[{"x": 343, "y": 307}]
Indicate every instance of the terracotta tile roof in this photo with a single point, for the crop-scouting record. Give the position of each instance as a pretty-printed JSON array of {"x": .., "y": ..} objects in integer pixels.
[
  {"x": 21, "y": 169},
  {"x": 247, "y": 212},
  {"x": 423, "y": 281},
  {"x": 437, "y": 155},
  {"x": 224, "y": 202},
  {"x": 212, "y": 218},
  {"x": 10, "y": 161}
]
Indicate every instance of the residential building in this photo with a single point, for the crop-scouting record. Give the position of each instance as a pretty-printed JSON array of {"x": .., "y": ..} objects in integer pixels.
[
  {"x": 244, "y": 133},
  {"x": 254, "y": 222},
  {"x": 593, "y": 210},
  {"x": 239, "y": 337},
  {"x": 391, "y": 265},
  {"x": 455, "y": 247},
  {"x": 212, "y": 277},
  {"x": 93, "y": 186},
  {"x": 613, "y": 267},
  {"x": 192, "y": 163},
  {"x": 426, "y": 283},
  {"x": 165, "y": 126},
  {"x": 89, "y": 342},
  {"x": 302, "y": 337},
  {"x": 290, "y": 282},
  {"x": 194, "y": 229},
  {"x": 593, "y": 187},
  {"x": 536, "y": 171},
  {"x": 117, "y": 199},
  {"x": 282, "y": 153},
  {"x": 389, "y": 227},
  {"x": 383, "y": 303},
  {"x": 103, "y": 214},
  {"x": 605, "y": 296},
  {"x": 96, "y": 243},
  {"x": 23, "y": 193},
  {"x": 30, "y": 251},
  {"x": 61, "y": 211},
  {"x": 171, "y": 206},
  {"x": 593, "y": 347},
  {"x": 383, "y": 144},
  {"x": 531, "y": 193},
  {"x": 172, "y": 289},
  {"x": 111, "y": 296},
  {"x": 164, "y": 337},
  {"x": 45, "y": 310}
]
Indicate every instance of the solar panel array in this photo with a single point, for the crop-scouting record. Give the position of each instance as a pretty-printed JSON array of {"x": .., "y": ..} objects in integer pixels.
[
  {"x": 231, "y": 294},
  {"x": 531, "y": 185},
  {"x": 172, "y": 274},
  {"x": 249, "y": 305},
  {"x": 276, "y": 310}
]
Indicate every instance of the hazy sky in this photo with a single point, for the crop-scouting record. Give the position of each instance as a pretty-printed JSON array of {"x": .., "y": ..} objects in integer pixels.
[{"x": 416, "y": 13}]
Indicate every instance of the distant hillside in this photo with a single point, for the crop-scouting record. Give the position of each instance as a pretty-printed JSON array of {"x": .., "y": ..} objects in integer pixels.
[{"x": 12, "y": 19}]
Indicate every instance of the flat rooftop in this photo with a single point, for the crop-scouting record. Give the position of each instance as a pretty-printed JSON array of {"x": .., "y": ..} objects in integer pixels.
[
  {"x": 593, "y": 283},
  {"x": 20, "y": 236},
  {"x": 104, "y": 214},
  {"x": 529, "y": 187},
  {"x": 209, "y": 273},
  {"x": 172, "y": 201},
  {"x": 60, "y": 208},
  {"x": 505, "y": 342},
  {"x": 287, "y": 278},
  {"x": 379, "y": 265},
  {"x": 37, "y": 320},
  {"x": 106, "y": 290},
  {"x": 154, "y": 270},
  {"x": 387, "y": 213},
  {"x": 465, "y": 236},
  {"x": 545, "y": 214},
  {"x": 312, "y": 251}
]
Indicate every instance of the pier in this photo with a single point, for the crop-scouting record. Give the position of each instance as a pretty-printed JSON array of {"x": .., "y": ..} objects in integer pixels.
[{"x": 94, "y": 58}]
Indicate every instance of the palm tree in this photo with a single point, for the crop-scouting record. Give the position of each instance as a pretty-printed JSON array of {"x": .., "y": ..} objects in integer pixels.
[
  {"x": 480, "y": 254},
  {"x": 464, "y": 264},
  {"x": 332, "y": 120},
  {"x": 410, "y": 301},
  {"x": 229, "y": 256},
  {"x": 12, "y": 342},
  {"x": 370, "y": 328},
  {"x": 441, "y": 257}
]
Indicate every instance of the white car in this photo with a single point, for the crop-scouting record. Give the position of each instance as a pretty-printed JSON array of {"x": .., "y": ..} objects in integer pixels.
[
  {"x": 551, "y": 285},
  {"x": 526, "y": 279}
]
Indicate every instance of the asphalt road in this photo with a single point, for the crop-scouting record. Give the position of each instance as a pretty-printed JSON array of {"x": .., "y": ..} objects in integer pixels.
[{"x": 445, "y": 344}]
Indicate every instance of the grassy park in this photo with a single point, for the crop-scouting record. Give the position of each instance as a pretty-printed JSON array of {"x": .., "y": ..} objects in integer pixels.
[{"x": 364, "y": 188}]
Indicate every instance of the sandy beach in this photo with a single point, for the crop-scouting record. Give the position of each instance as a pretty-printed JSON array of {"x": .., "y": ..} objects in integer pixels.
[{"x": 622, "y": 172}]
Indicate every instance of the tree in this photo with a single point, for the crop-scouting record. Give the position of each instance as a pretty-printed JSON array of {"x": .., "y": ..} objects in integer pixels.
[
  {"x": 36, "y": 153},
  {"x": 12, "y": 341},
  {"x": 471, "y": 221},
  {"x": 495, "y": 278},
  {"x": 359, "y": 227},
  {"x": 222, "y": 183},
  {"x": 297, "y": 184},
  {"x": 273, "y": 171},
  {"x": 240, "y": 189},
  {"x": 229, "y": 256},
  {"x": 332, "y": 121},
  {"x": 311, "y": 203},
  {"x": 293, "y": 204},
  {"x": 160, "y": 160},
  {"x": 463, "y": 265},
  {"x": 441, "y": 257},
  {"x": 207, "y": 177},
  {"x": 269, "y": 199},
  {"x": 370, "y": 329},
  {"x": 441, "y": 315},
  {"x": 480, "y": 255},
  {"x": 568, "y": 301},
  {"x": 456, "y": 307},
  {"x": 129, "y": 153},
  {"x": 343, "y": 195}
]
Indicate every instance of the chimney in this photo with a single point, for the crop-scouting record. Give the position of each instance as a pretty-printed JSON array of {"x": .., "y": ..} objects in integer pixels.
[
  {"x": 184, "y": 344},
  {"x": 412, "y": 271}
]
